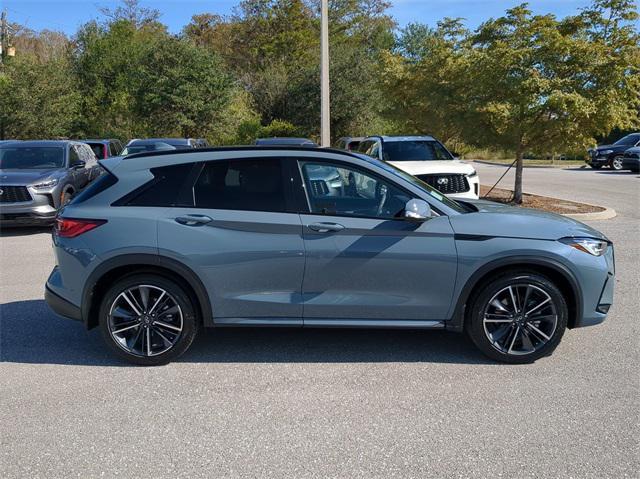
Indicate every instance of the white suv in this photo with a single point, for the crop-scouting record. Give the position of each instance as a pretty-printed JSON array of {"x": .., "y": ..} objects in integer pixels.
[{"x": 427, "y": 159}]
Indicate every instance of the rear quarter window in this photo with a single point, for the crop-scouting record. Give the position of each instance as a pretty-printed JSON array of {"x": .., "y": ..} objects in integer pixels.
[{"x": 167, "y": 188}]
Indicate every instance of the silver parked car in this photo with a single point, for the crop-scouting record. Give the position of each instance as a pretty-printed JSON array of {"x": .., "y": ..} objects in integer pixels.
[
  {"x": 167, "y": 242},
  {"x": 38, "y": 177}
]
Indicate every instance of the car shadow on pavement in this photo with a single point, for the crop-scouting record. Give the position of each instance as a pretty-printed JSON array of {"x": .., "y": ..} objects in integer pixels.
[{"x": 30, "y": 333}]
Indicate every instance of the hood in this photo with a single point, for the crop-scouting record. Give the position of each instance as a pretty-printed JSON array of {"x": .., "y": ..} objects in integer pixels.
[
  {"x": 26, "y": 177},
  {"x": 612, "y": 147},
  {"x": 434, "y": 167},
  {"x": 497, "y": 219}
]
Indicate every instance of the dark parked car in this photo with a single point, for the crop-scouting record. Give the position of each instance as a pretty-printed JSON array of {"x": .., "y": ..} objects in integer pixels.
[
  {"x": 38, "y": 177},
  {"x": 104, "y": 148},
  {"x": 611, "y": 155},
  {"x": 154, "y": 144},
  {"x": 285, "y": 141},
  {"x": 168, "y": 242},
  {"x": 631, "y": 159},
  {"x": 349, "y": 143}
]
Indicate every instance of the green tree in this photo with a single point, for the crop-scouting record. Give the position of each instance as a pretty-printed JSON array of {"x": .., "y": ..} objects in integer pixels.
[
  {"x": 39, "y": 97},
  {"x": 537, "y": 83}
]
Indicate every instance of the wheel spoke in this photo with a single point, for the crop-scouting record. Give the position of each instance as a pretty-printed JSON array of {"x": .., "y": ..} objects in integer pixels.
[
  {"x": 167, "y": 326},
  {"x": 547, "y": 317},
  {"x": 499, "y": 306},
  {"x": 131, "y": 301},
  {"x": 166, "y": 340},
  {"x": 538, "y": 306},
  {"x": 515, "y": 335},
  {"x": 490, "y": 320},
  {"x": 126, "y": 328},
  {"x": 513, "y": 300},
  {"x": 120, "y": 312},
  {"x": 526, "y": 298},
  {"x": 148, "y": 342},
  {"x": 144, "y": 296},
  {"x": 157, "y": 302},
  {"x": 538, "y": 332}
]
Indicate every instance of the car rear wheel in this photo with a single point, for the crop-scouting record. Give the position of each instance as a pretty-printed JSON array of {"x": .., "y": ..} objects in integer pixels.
[
  {"x": 616, "y": 163},
  {"x": 147, "y": 319},
  {"x": 518, "y": 318}
]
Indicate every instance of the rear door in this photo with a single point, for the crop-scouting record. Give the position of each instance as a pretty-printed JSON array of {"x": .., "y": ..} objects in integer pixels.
[
  {"x": 235, "y": 225},
  {"x": 365, "y": 263}
]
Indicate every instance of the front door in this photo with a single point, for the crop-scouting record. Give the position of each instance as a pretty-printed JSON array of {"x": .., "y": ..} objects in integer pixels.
[{"x": 365, "y": 262}]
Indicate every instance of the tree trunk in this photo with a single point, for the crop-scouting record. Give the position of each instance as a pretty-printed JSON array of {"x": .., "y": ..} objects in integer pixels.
[{"x": 517, "y": 188}]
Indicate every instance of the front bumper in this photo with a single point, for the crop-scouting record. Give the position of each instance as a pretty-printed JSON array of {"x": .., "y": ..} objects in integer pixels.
[
  {"x": 40, "y": 210},
  {"x": 598, "y": 281},
  {"x": 598, "y": 161}
]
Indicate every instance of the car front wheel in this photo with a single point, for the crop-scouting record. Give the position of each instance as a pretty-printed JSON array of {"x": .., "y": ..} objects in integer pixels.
[
  {"x": 147, "y": 319},
  {"x": 518, "y": 317},
  {"x": 616, "y": 163}
]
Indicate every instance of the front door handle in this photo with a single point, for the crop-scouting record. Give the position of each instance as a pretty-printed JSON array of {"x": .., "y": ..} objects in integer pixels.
[
  {"x": 325, "y": 227},
  {"x": 193, "y": 220}
]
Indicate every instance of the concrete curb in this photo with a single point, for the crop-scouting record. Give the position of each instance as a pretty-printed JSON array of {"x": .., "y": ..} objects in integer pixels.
[
  {"x": 607, "y": 214},
  {"x": 493, "y": 163}
]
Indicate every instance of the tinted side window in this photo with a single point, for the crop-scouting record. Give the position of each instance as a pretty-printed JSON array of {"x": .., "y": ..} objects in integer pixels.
[
  {"x": 164, "y": 190},
  {"x": 74, "y": 158},
  {"x": 254, "y": 185},
  {"x": 113, "y": 149},
  {"x": 334, "y": 189}
]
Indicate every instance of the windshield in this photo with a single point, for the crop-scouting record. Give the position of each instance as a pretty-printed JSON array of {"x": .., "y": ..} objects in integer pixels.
[
  {"x": 420, "y": 150},
  {"x": 454, "y": 205},
  {"x": 31, "y": 158},
  {"x": 628, "y": 140}
]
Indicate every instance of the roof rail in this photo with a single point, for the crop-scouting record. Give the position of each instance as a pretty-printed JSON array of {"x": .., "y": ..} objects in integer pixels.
[{"x": 305, "y": 149}]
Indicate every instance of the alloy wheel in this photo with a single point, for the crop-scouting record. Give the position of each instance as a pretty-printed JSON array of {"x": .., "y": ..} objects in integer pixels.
[
  {"x": 145, "y": 320},
  {"x": 520, "y": 319},
  {"x": 616, "y": 164}
]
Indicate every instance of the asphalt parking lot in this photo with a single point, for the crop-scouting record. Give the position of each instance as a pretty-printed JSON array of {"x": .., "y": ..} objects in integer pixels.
[{"x": 324, "y": 403}]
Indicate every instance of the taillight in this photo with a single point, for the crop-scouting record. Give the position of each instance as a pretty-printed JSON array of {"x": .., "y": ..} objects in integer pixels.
[{"x": 70, "y": 228}]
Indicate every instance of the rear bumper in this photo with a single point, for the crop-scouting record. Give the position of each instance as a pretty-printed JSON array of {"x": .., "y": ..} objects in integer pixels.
[{"x": 61, "y": 306}]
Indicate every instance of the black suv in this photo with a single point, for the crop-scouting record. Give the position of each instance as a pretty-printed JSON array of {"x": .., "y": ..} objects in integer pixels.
[{"x": 611, "y": 155}]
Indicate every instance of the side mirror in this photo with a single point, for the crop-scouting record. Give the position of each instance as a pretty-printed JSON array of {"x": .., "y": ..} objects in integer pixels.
[{"x": 418, "y": 210}]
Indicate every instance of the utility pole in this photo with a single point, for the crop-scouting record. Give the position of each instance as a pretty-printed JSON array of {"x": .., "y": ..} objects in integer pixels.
[
  {"x": 4, "y": 36},
  {"x": 325, "y": 123}
]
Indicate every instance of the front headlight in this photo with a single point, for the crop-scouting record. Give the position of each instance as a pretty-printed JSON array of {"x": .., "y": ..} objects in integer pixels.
[
  {"x": 595, "y": 247},
  {"x": 43, "y": 185},
  {"x": 605, "y": 152},
  {"x": 471, "y": 175}
]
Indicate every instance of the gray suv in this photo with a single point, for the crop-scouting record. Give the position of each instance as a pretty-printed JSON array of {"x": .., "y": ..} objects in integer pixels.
[
  {"x": 167, "y": 242},
  {"x": 38, "y": 177}
]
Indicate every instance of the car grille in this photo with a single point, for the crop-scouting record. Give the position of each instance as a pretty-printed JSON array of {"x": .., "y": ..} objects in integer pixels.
[
  {"x": 14, "y": 194},
  {"x": 447, "y": 183}
]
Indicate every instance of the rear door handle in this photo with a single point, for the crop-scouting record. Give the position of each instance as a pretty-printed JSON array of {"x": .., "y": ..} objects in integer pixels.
[
  {"x": 325, "y": 227},
  {"x": 194, "y": 220}
]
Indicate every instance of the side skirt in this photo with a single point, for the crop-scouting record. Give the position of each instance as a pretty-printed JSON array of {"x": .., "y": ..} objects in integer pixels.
[{"x": 329, "y": 323}]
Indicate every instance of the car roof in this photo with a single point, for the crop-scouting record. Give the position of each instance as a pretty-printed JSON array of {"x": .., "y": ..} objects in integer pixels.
[
  {"x": 51, "y": 143},
  {"x": 284, "y": 140},
  {"x": 265, "y": 148},
  {"x": 402, "y": 138},
  {"x": 98, "y": 140},
  {"x": 150, "y": 141}
]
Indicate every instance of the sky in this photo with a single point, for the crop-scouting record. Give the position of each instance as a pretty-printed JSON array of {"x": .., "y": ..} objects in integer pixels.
[{"x": 68, "y": 15}]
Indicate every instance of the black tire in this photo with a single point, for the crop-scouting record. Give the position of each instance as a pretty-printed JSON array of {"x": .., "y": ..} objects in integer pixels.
[
  {"x": 616, "y": 163},
  {"x": 185, "y": 317},
  {"x": 595, "y": 167},
  {"x": 66, "y": 197},
  {"x": 480, "y": 322}
]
